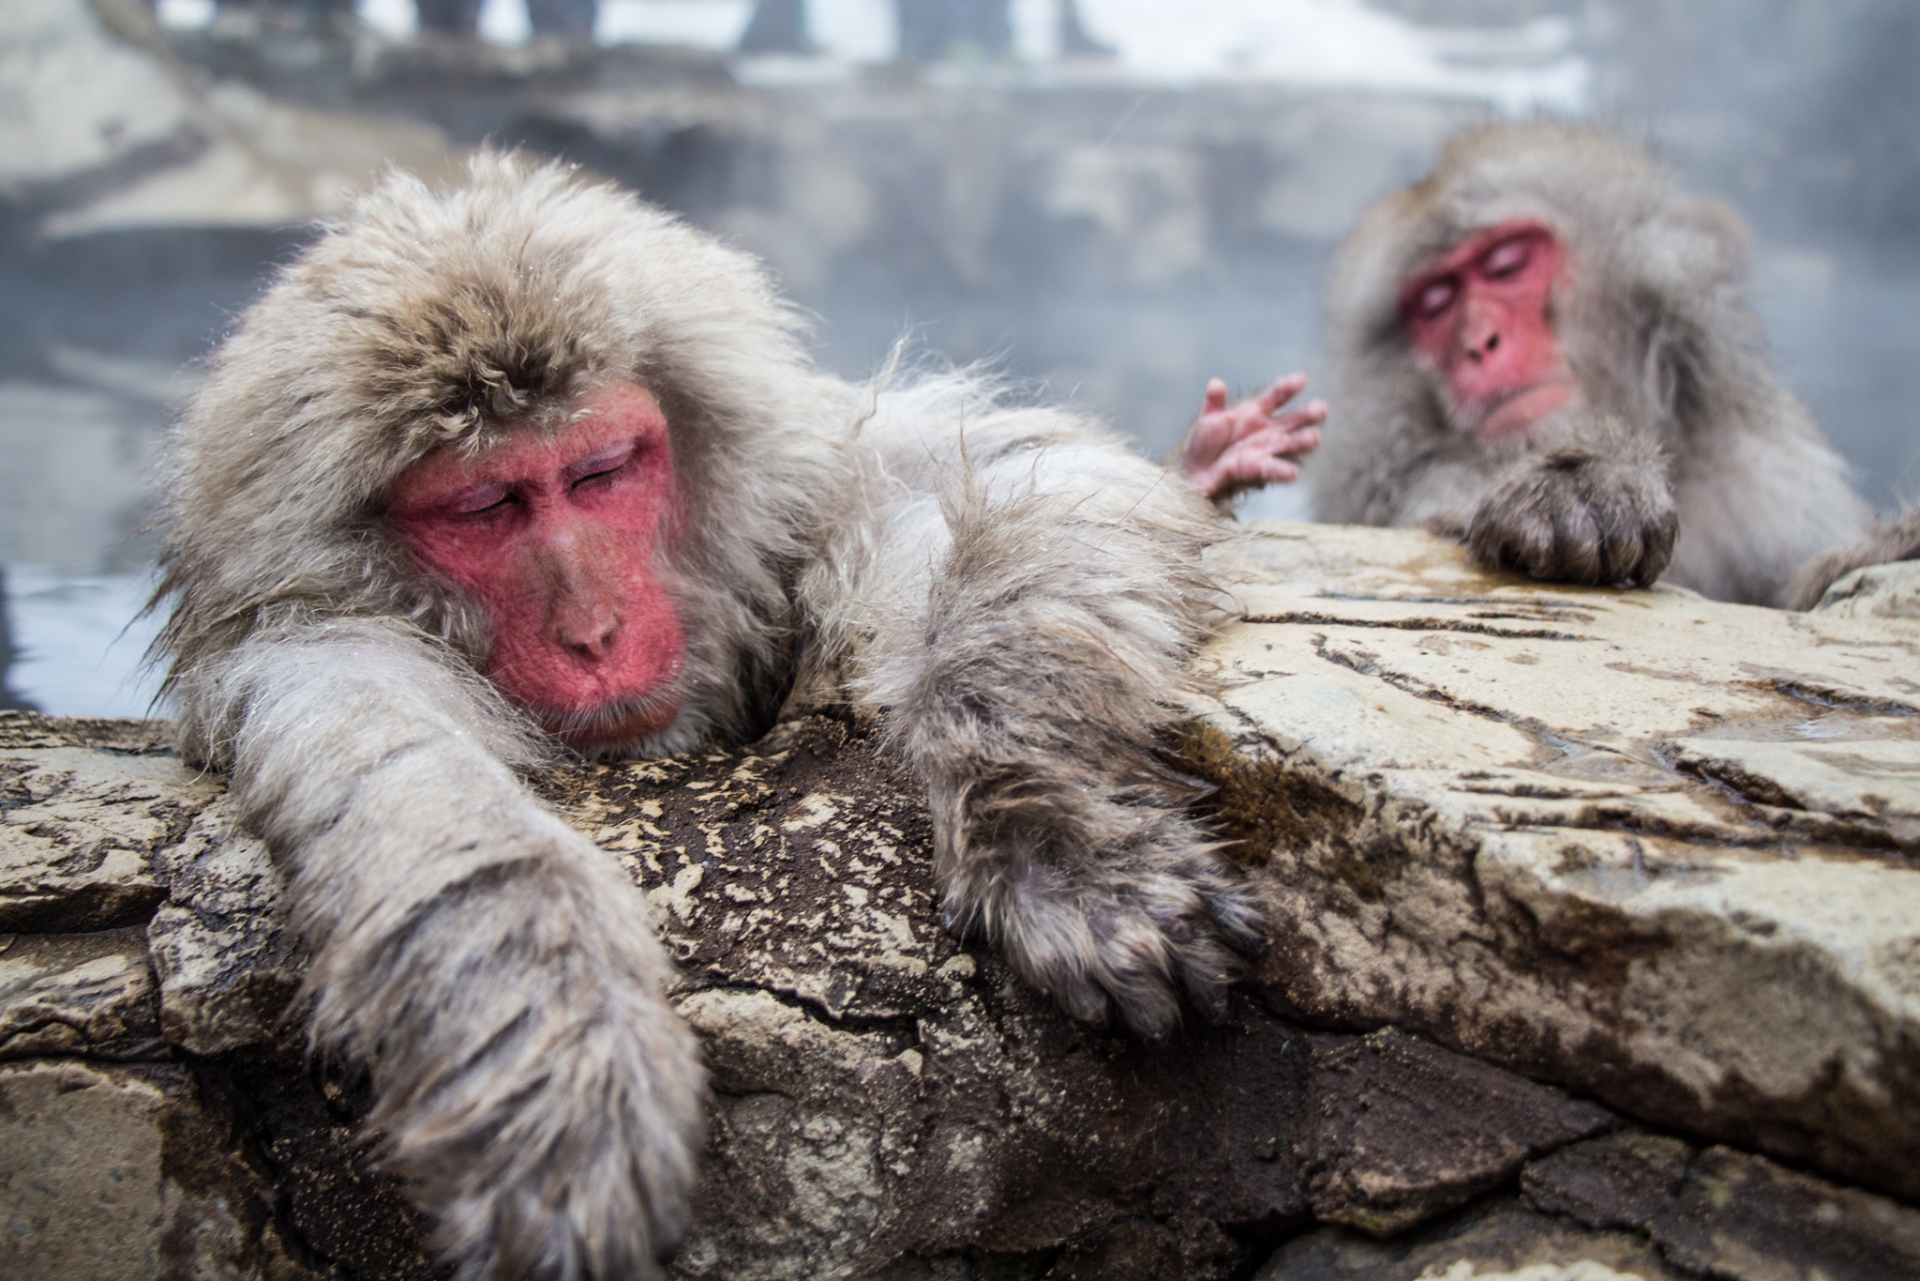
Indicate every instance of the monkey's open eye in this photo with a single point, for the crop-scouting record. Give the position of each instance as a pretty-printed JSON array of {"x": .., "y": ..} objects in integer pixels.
[
  {"x": 1507, "y": 259},
  {"x": 1435, "y": 297}
]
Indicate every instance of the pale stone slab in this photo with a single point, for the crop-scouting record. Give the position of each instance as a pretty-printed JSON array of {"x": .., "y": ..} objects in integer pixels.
[
  {"x": 226, "y": 961},
  {"x": 1636, "y": 842},
  {"x": 79, "y": 832},
  {"x": 87, "y": 994},
  {"x": 120, "y": 1172}
]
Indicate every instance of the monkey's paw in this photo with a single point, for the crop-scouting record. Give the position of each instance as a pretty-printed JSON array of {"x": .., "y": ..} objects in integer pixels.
[
  {"x": 537, "y": 1092},
  {"x": 1571, "y": 515},
  {"x": 1125, "y": 932}
]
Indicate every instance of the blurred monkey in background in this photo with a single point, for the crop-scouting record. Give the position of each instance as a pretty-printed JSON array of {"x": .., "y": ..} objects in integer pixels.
[{"x": 1545, "y": 349}]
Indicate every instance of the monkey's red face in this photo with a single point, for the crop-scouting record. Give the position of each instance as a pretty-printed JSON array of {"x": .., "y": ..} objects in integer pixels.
[
  {"x": 556, "y": 538},
  {"x": 1479, "y": 316}
]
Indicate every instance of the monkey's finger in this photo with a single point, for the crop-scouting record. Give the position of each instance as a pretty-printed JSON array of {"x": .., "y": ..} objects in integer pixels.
[
  {"x": 1276, "y": 440},
  {"x": 1622, "y": 549},
  {"x": 1310, "y": 414},
  {"x": 1300, "y": 442},
  {"x": 1216, "y": 397},
  {"x": 1526, "y": 544},
  {"x": 1281, "y": 392},
  {"x": 1578, "y": 537}
]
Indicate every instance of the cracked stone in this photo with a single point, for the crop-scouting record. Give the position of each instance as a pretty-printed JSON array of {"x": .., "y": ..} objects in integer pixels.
[
  {"x": 1399, "y": 1129},
  {"x": 1878, "y": 591},
  {"x": 1653, "y": 848},
  {"x": 1618, "y": 1181},
  {"x": 1508, "y": 858},
  {"x": 80, "y": 825},
  {"x": 226, "y": 961},
  {"x": 124, "y": 1172},
  {"x": 1742, "y": 1217},
  {"x": 89, "y": 994},
  {"x": 1500, "y": 1241}
]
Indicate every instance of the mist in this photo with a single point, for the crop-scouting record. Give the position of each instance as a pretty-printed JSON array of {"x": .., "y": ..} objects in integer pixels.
[{"x": 1108, "y": 226}]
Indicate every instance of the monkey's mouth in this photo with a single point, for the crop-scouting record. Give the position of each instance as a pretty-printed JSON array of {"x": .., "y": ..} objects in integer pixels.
[
  {"x": 1519, "y": 408},
  {"x": 618, "y": 724}
]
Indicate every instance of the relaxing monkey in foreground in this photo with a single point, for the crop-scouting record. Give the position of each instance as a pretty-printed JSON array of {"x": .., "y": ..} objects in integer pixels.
[
  {"x": 529, "y": 466},
  {"x": 1545, "y": 349}
]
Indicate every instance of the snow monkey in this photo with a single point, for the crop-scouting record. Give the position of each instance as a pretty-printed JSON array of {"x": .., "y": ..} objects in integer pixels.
[
  {"x": 531, "y": 467},
  {"x": 1545, "y": 349}
]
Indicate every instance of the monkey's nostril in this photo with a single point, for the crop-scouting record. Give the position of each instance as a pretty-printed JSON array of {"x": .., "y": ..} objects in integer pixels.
[{"x": 1493, "y": 341}]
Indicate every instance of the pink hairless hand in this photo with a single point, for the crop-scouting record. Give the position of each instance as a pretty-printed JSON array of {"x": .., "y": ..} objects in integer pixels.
[{"x": 1252, "y": 444}]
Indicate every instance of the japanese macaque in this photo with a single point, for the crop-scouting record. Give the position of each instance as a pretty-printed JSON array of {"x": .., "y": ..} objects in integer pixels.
[
  {"x": 530, "y": 467},
  {"x": 1544, "y": 348}
]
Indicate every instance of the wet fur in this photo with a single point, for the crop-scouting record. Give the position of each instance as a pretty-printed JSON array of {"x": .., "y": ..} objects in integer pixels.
[
  {"x": 1010, "y": 590},
  {"x": 1659, "y": 331}
]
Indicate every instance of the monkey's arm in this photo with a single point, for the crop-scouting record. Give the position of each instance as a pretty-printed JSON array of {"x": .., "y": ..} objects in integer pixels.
[
  {"x": 1230, "y": 450},
  {"x": 1038, "y": 602},
  {"x": 491, "y": 966},
  {"x": 1897, "y": 541}
]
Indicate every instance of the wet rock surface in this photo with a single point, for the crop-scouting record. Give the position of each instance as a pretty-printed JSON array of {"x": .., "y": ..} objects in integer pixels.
[
  {"x": 1652, "y": 848},
  {"x": 1545, "y": 1001}
]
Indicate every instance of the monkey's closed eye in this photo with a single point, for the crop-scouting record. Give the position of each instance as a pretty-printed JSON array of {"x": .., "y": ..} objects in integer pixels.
[
  {"x": 1507, "y": 259},
  {"x": 602, "y": 469},
  {"x": 1436, "y": 297},
  {"x": 488, "y": 502}
]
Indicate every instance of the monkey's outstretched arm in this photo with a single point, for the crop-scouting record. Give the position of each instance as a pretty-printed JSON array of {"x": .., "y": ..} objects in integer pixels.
[
  {"x": 1040, "y": 598},
  {"x": 1899, "y": 540},
  {"x": 491, "y": 966}
]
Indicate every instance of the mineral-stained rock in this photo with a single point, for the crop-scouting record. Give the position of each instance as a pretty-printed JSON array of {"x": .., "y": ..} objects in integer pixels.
[
  {"x": 87, "y": 994},
  {"x": 80, "y": 827},
  {"x": 1619, "y": 1181},
  {"x": 1501, "y": 1241},
  {"x": 1727, "y": 1214},
  {"x": 1654, "y": 848},
  {"x": 1398, "y": 1128},
  {"x": 115, "y": 1172},
  {"x": 1878, "y": 591},
  {"x": 227, "y": 963},
  {"x": 1640, "y": 847},
  {"x": 1743, "y": 1217}
]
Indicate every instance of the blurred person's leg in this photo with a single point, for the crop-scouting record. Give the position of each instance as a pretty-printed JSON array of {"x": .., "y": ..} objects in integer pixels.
[
  {"x": 1074, "y": 40},
  {"x": 449, "y": 17},
  {"x": 573, "y": 19},
  {"x": 777, "y": 26}
]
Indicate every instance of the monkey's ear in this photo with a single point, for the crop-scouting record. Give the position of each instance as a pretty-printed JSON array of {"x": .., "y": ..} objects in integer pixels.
[{"x": 1716, "y": 220}]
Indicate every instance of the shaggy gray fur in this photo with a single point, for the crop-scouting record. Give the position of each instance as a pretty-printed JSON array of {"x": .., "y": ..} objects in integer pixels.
[
  {"x": 1012, "y": 586},
  {"x": 1657, "y": 327},
  {"x": 1899, "y": 540}
]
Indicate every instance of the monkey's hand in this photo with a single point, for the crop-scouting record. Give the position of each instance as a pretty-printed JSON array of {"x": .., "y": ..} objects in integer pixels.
[
  {"x": 494, "y": 970},
  {"x": 1031, "y": 662},
  {"x": 1101, "y": 890},
  {"x": 1253, "y": 443},
  {"x": 1578, "y": 514}
]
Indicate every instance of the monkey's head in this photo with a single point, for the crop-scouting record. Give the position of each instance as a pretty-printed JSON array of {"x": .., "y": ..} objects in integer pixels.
[
  {"x": 547, "y": 425},
  {"x": 1513, "y": 286}
]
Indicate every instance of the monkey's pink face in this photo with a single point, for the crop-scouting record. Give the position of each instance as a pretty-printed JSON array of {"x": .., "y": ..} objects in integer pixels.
[
  {"x": 1479, "y": 316},
  {"x": 556, "y": 538}
]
